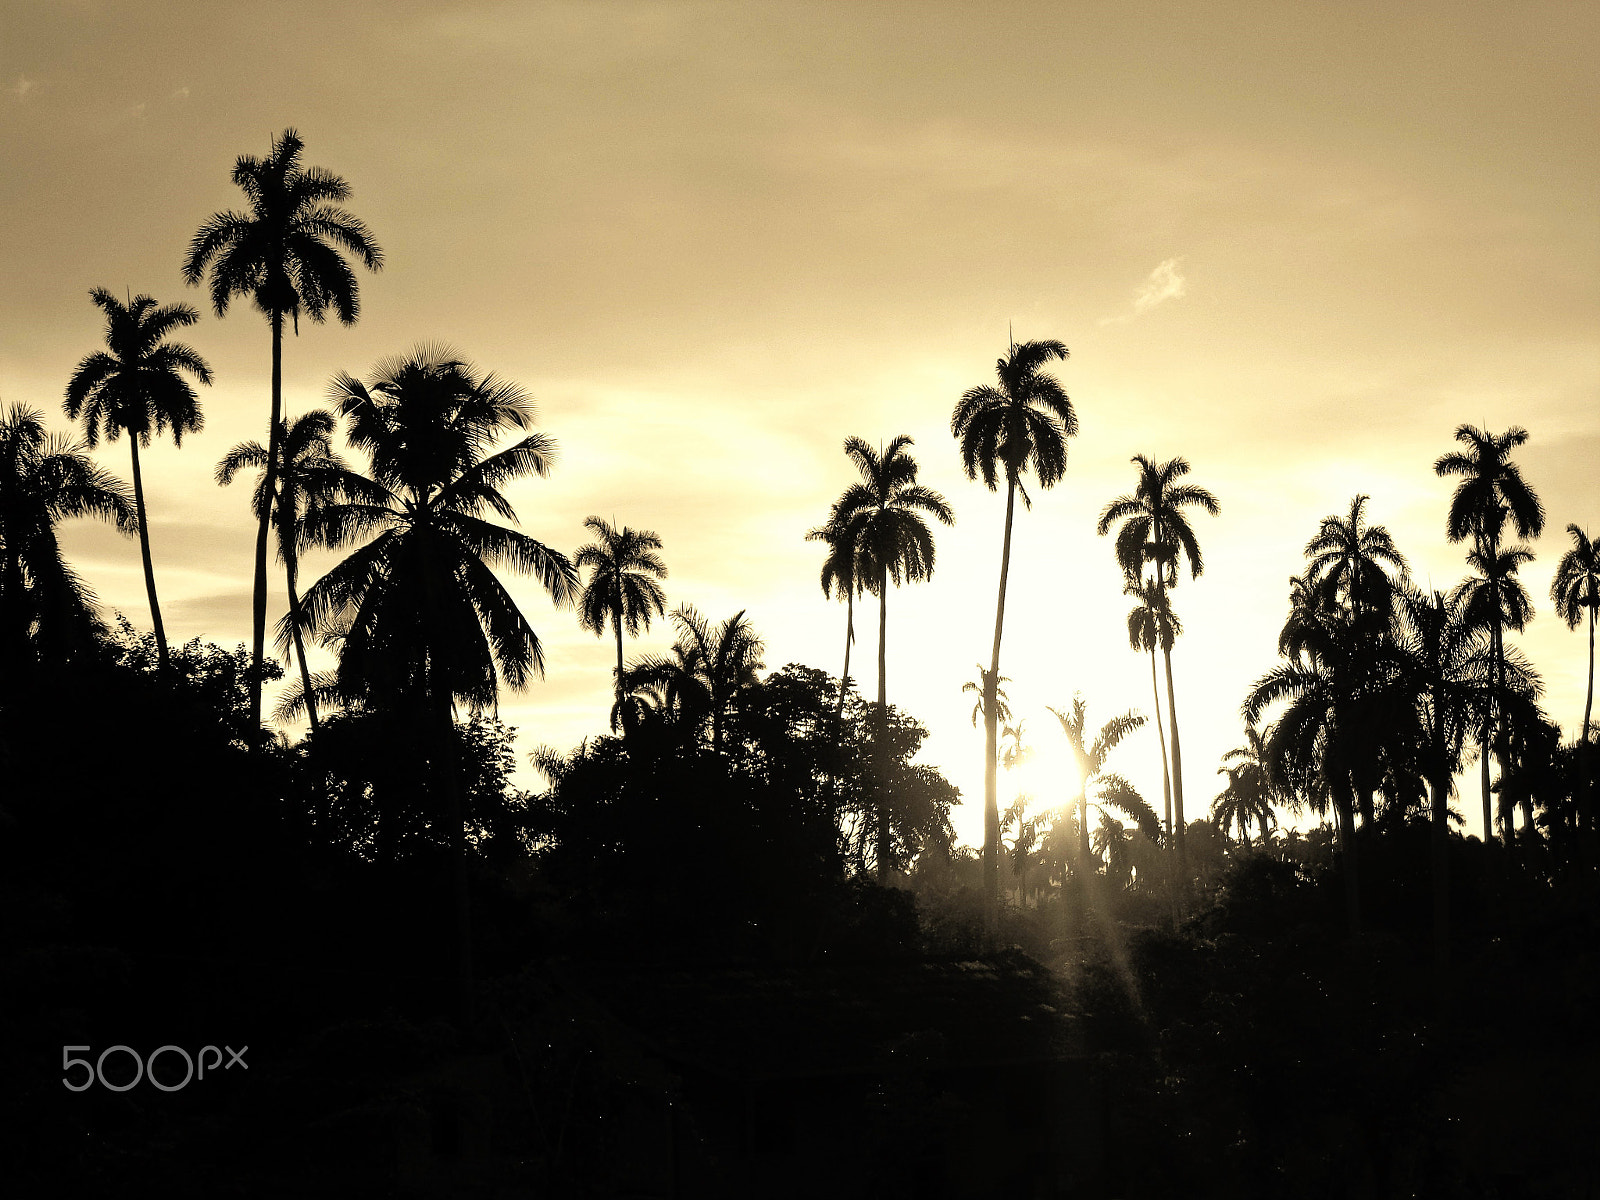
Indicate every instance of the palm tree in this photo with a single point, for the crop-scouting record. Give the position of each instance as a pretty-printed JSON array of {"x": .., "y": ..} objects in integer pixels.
[
  {"x": 1152, "y": 624},
  {"x": 284, "y": 254},
  {"x": 1575, "y": 590},
  {"x": 1350, "y": 564},
  {"x": 1155, "y": 529},
  {"x": 430, "y": 625},
  {"x": 1023, "y": 422},
  {"x": 1251, "y": 791},
  {"x": 707, "y": 669},
  {"x": 980, "y": 688},
  {"x": 1450, "y": 672},
  {"x": 622, "y": 587},
  {"x": 1109, "y": 789},
  {"x": 46, "y": 612},
  {"x": 842, "y": 573},
  {"x": 1491, "y": 489},
  {"x": 882, "y": 516},
  {"x": 137, "y": 385},
  {"x": 309, "y": 478},
  {"x": 1494, "y": 599}
]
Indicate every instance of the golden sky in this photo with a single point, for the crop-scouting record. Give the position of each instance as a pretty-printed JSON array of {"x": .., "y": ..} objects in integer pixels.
[{"x": 1295, "y": 243}]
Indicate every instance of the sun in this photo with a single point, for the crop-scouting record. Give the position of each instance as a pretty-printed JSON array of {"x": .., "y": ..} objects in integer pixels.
[{"x": 1047, "y": 775}]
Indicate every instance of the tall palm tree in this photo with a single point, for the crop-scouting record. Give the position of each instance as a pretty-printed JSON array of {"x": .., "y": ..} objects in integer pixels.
[
  {"x": 137, "y": 385},
  {"x": 1491, "y": 489},
  {"x": 842, "y": 573},
  {"x": 1109, "y": 789},
  {"x": 285, "y": 255},
  {"x": 1156, "y": 531},
  {"x": 883, "y": 516},
  {"x": 430, "y": 625},
  {"x": 707, "y": 669},
  {"x": 1351, "y": 564},
  {"x": 1576, "y": 590},
  {"x": 1153, "y": 624},
  {"x": 47, "y": 613},
  {"x": 309, "y": 478},
  {"x": 1494, "y": 599},
  {"x": 1004, "y": 430},
  {"x": 623, "y": 568}
]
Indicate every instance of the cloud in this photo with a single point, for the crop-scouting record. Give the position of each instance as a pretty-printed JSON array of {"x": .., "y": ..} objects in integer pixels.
[
  {"x": 21, "y": 88},
  {"x": 180, "y": 95},
  {"x": 1164, "y": 283}
]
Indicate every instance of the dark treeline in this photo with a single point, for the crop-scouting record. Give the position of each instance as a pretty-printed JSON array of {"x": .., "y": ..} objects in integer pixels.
[{"x": 728, "y": 945}]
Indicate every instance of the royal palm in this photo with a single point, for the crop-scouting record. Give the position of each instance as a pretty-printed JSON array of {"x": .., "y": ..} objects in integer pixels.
[
  {"x": 1154, "y": 529},
  {"x": 1019, "y": 423},
  {"x": 1491, "y": 490},
  {"x": 136, "y": 386},
  {"x": 1108, "y": 789},
  {"x": 286, "y": 253},
  {"x": 883, "y": 516},
  {"x": 310, "y": 476}
]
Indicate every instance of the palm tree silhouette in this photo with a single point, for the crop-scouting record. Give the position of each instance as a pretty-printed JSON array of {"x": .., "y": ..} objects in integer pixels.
[
  {"x": 1023, "y": 422},
  {"x": 1109, "y": 789},
  {"x": 1152, "y": 624},
  {"x": 707, "y": 669},
  {"x": 1576, "y": 590},
  {"x": 1155, "y": 530},
  {"x": 842, "y": 574},
  {"x": 1251, "y": 791},
  {"x": 137, "y": 385},
  {"x": 47, "y": 613},
  {"x": 309, "y": 478},
  {"x": 429, "y": 624},
  {"x": 285, "y": 254},
  {"x": 882, "y": 516},
  {"x": 1348, "y": 564},
  {"x": 1491, "y": 489},
  {"x": 980, "y": 688},
  {"x": 622, "y": 587}
]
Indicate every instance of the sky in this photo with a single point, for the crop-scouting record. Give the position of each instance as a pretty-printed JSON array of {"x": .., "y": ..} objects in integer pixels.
[{"x": 1297, "y": 245}]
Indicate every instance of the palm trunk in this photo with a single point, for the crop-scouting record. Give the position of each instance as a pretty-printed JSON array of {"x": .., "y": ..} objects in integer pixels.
[
  {"x": 162, "y": 660},
  {"x": 616, "y": 621},
  {"x": 300, "y": 653},
  {"x": 1083, "y": 833},
  {"x": 1166, "y": 793},
  {"x": 1177, "y": 782},
  {"x": 1585, "y": 801},
  {"x": 258, "y": 604},
  {"x": 880, "y": 742},
  {"x": 991, "y": 733},
  {"x": 844, "y": 679},
  {"x": 1351, "y": 857}
]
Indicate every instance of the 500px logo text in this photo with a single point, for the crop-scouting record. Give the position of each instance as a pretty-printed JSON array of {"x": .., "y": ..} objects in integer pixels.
[{"x": 146, "y": 1067}]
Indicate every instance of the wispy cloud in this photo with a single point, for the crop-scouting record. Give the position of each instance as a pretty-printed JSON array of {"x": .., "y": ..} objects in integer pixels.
[
  {"x": 1165, "y": 282},
  {"x": 21, "y": 88},
  {"x": 180, "y": 95}
]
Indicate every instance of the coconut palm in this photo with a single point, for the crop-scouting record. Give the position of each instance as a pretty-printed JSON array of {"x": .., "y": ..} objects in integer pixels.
[
  {"x": 883, "y": 515},
  {"x": 309, "y": 477},
  {"x": 1154, "y": 529},
  {"x": 1351, "y": 564},
  {"x": 622, "y": 588},
  {"x": 1491, "y": 490},
  {"x": 1004, "y": 430},
  {"x": 137, "y": 386},
  {"x": 285, "y": 255},
  {"x": 430, "y": 626},
  {"x": 1152, "y": 624},
  {"x": 47, "y": 613},
  {"x": 1576, "y": 590},
  {"x": 1108, "y": 789}
]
